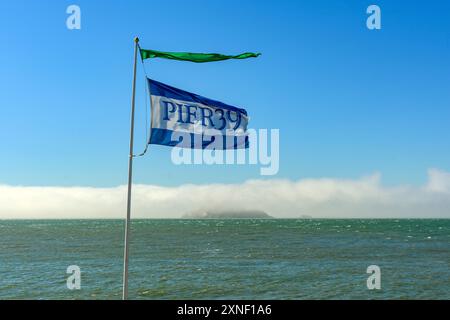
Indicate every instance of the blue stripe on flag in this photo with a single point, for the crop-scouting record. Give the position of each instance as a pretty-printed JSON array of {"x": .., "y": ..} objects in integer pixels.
[
  {"x": 164, "y": 90},
  {"x": 164, "y": 137}
]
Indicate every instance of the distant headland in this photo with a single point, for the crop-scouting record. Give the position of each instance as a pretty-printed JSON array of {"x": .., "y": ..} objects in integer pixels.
[{"x": 245, "y": 214}]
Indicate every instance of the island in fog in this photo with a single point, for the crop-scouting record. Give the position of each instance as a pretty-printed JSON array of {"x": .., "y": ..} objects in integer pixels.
[{"x": 241, "y": 214}]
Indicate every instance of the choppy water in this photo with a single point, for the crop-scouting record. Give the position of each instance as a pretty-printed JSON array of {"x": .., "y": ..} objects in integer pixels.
[{"x": 227, "y": 259}]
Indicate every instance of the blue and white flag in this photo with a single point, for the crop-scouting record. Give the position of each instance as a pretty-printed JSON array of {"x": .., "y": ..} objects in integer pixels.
[{"x": 183, "y": 119}]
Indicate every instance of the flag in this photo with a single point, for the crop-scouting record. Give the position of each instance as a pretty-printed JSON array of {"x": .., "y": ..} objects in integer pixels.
[
  {"x": 194, "y": 57},
  {"x": 183, "y": 119}
]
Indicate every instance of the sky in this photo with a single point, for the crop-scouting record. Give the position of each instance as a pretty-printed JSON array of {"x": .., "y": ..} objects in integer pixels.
[{"x": 354, "y": 106}]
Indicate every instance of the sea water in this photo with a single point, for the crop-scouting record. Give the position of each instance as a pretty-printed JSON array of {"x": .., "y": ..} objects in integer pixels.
[{"x": 227, "y": 259}]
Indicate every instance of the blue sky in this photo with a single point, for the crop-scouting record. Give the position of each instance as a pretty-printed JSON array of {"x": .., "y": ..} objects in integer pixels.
[{"x": 348, "y": 101}]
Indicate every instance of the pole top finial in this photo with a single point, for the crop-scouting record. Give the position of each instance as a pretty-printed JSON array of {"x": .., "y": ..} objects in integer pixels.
[{"x": 136, "y": 39}]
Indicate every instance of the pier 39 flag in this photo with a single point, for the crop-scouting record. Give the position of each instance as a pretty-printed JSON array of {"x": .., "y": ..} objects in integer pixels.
[{"x": 187, "y": 120}]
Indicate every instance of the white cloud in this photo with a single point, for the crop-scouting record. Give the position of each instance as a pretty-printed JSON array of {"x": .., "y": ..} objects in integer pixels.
[
  {"x": 438, "y": 181},
  {"x": 365, "y": 197}
]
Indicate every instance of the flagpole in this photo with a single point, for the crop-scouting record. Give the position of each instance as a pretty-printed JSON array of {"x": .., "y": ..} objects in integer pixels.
[{"x": 130, "y": 178}]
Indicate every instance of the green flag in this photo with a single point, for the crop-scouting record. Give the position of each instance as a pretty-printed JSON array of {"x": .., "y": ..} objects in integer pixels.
[{"x": 193, "y": 57}]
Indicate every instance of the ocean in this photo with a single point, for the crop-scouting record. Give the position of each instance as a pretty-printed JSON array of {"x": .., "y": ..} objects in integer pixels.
[{"x": 227, "y": 259}]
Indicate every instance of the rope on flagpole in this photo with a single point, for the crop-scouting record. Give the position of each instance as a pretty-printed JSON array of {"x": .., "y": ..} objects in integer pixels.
[{"x": 147, "y": 96}]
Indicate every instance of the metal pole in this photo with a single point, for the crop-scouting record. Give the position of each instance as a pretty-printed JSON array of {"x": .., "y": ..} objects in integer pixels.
[{"x": 130, "y": 178}]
